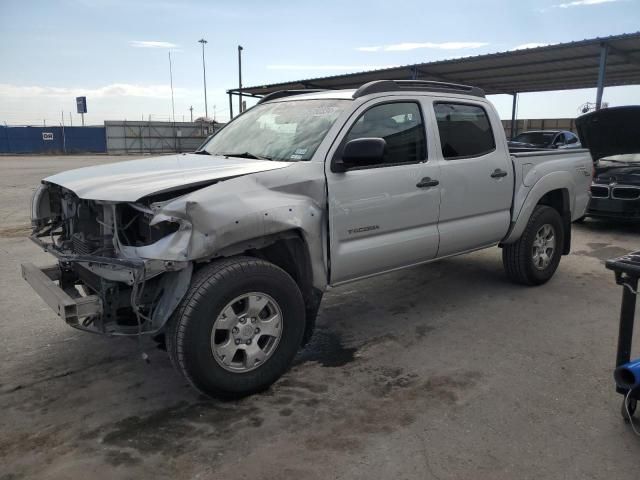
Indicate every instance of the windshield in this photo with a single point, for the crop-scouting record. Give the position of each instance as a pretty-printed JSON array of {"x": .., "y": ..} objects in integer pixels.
[
  {"x": 288, "y": 131},
  {"x": 536, "y": 138}
]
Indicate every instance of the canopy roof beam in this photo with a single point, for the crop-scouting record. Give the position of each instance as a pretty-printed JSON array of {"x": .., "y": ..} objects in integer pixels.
[{"x": 514, "y": 120}]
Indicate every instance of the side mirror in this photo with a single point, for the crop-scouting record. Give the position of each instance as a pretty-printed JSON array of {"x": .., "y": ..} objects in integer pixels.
[{"x": 362, "y": 152}]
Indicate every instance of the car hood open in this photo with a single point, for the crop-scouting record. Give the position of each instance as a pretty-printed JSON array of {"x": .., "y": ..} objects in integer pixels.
[
  {"x": 610, "y": 131},
  {"x": 129, "y": 181}
]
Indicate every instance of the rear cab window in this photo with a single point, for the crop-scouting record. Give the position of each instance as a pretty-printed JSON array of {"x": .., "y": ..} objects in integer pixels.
[{"x": 465, "y": 130}]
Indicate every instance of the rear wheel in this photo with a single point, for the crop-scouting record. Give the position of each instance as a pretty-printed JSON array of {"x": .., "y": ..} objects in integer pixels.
[
  {"x": 534, "y": 258},
  {"x": 238, "y": 327}
]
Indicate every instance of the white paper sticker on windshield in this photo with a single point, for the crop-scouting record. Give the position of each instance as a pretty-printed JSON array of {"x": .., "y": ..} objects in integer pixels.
[
  {"x": 301, "y": 151},
  {"x": 296, "y": 157},
  {"x": 324, "y": 110}
]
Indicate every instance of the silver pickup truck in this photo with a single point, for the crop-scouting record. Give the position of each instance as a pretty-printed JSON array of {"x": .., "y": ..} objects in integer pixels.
[{"x": 225, "y": 253}]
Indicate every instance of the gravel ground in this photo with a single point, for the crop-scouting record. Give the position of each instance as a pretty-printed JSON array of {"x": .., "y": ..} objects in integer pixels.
[{"x": 443, "y": 371}]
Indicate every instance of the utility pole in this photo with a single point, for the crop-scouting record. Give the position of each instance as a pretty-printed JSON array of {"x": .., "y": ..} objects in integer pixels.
[
  {"x": 70, "y": 119},
  {"x": 214, "y": 113},
  {"x": 204, "y": 76},
  {"x": 191, "y": 111},
  {"x": 240, "y": 79},
  {"x": 173, "y": 108}
]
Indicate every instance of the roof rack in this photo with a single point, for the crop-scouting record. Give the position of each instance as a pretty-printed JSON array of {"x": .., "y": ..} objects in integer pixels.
[
  {"x": 287, "y": 93},
  {"x": 380, "y": 86}
]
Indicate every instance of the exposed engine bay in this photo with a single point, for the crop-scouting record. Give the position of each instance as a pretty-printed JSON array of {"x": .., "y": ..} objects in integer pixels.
[
  {"x": 92, "y": 241},
  {"x": 128, "y": 237}
]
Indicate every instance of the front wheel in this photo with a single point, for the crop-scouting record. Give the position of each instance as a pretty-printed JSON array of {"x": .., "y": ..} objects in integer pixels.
[
  {"x": 238, "y": 327},
  {"x": 534, "y": 258}
]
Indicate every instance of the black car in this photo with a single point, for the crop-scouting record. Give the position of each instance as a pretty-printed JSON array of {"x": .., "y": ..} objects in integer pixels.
[
  {"x": 544, "y": 139},
  {"x": 615, "y": 191}
]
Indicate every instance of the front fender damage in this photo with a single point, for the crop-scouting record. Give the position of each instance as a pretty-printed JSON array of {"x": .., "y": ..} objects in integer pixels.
[{"x": 240, "y": 214}]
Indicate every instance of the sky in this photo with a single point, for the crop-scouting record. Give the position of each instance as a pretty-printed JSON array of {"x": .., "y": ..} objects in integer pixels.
[{"x": 116, "y": 51}]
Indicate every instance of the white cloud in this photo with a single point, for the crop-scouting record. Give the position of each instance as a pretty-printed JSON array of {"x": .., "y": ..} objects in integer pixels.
[
  {"x": 524, "y": 46},
  {"x": 581, "y": 3},
  {"x": 114, "y": 90},
  {"x": 328, "y": 67},
  {"x": 151, "y": 44},
  {"x": 406, "y": 46}
]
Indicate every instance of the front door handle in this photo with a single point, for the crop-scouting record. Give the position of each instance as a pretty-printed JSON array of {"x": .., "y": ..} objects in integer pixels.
[
  {"x": 427, "y": 182},
  {"x": 497, "y": 173}
]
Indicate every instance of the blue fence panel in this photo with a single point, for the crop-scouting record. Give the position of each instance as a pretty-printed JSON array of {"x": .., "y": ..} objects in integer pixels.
[
  {"x": 85, "y": 139},
  {"x": 4, "y": 140},
  {"x": 52, "y": 140}
]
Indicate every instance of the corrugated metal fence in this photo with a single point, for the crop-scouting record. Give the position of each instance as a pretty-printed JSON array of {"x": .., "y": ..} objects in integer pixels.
[
  {"x": 124, "y": 137},
  {"x": 116, "y": 137},
  {"x": 29, "y": 139}
]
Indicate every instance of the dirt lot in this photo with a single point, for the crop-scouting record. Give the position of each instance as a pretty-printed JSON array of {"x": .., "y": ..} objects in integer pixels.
[{"x": 445, "y": 371}]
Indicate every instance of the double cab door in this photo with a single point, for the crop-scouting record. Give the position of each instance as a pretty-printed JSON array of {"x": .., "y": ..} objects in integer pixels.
[{"x": 386, "y": 215}]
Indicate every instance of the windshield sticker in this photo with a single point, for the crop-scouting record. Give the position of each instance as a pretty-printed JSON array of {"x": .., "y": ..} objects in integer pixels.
[
  {"x": 322, "y": 111},
  {"x": 301, "y": 151},
  {"x": 296, "y": 157}
]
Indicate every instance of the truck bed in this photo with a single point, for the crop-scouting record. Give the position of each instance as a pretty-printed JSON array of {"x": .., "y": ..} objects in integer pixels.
[{"x": 574, "y": 166}]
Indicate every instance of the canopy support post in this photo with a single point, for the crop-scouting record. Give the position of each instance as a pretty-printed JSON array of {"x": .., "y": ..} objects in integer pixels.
[
  {"x": 230, "y": 106},
  {"x": 513, "y": 115},
  {"x": 602, "y": 71}
]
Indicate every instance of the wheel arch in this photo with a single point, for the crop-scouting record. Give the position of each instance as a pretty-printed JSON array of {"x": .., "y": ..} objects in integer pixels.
[
  {"x": 558, "y": 199},
  {"x": 555, "y": 190},
  {"x": 290, "y": 251}
]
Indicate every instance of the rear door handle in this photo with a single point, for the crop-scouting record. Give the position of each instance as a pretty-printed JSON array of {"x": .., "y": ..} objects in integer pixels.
[
  {"x": 497, "y": 173},
  {"x": 427, "y": 182}
]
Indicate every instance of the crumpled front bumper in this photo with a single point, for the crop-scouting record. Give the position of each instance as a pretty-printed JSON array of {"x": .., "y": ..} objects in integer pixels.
[
  {"x": 72, "y": 308},
  {"x": 117, "y": 296}
]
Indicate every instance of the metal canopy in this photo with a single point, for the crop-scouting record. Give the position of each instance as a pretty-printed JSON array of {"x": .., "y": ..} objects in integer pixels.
[{"x": 614, "y": 60}]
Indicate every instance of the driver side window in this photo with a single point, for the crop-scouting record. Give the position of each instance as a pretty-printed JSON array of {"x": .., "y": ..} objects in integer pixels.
[{"x": 400, "y": 125}]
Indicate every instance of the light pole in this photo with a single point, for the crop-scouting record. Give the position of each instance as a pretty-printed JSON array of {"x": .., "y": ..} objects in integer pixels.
[
  {"x": 173, "y": 105},
  {"x": 204, "y": 75},
  {"x": 239, "y": 79}
]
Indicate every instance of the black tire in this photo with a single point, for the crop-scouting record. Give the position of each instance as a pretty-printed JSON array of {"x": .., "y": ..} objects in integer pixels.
[
  {"x": 517, "y": 257},
  {"x": 212, "y": 288}
]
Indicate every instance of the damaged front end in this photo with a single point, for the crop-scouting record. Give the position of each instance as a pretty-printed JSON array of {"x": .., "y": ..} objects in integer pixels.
[{"x": 103, "y": 282}]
